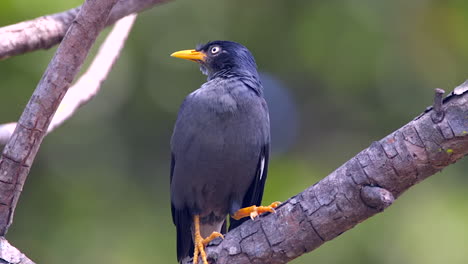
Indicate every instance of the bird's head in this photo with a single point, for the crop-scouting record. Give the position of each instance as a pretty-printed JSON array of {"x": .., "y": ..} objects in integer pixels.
[{"x": 221, "y": 59}]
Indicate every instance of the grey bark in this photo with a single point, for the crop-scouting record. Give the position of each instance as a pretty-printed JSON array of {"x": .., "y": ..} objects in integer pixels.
[
  {"x": 21, "y": 149},
  {"x": 6, "y": 130},
  {"x": 11, "y": 255},
  {"x": 89, "y": 84},
  {"x": 359, "y": 189},
  {"x": 46, "y": 31}
]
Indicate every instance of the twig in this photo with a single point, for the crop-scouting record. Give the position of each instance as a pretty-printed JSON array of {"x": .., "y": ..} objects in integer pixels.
[
  {"x": 438, "y": 113},
  {"x": 21, "y": 149},
  {"x": 47, "y": 31},
  {"x": 89, "y": 84},
  {"x": 359, "y": 189},
  {"x": 376, "y": 197}
]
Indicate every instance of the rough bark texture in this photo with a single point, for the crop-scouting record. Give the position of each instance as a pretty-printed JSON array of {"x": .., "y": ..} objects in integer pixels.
[
  {"x": 360, "y": 188},
  {"x": 19, "y": 153},
  {"x": 47, "y": 31},
  {"x": 11, "y": 255},
  {"x": 39, "y": 33},
  {"x": 90, "y": 82}
]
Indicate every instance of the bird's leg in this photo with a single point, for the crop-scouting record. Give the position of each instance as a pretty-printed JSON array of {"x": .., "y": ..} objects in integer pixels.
[
  {"x": 253, "y": 211},
  {"x": 200, "y": 242}
]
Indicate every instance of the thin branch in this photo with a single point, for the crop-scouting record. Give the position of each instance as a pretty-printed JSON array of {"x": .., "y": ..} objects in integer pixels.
[
  {"x": 47, "y": 31},
  {"x": 21, "y": 149},
  {"x": 89, "y": 84},
  {"x": 359, "y": 189}
]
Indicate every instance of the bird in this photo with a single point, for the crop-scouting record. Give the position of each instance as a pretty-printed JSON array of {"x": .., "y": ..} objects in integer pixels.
[{"x": 220, "y": 148}]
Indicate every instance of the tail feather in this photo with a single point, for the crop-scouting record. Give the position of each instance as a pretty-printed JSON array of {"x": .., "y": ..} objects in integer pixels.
[{"x": 183, "y": 222}]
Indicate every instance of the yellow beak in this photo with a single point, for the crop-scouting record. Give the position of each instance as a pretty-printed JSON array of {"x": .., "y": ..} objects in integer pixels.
[{"x": 192, "y": 55}]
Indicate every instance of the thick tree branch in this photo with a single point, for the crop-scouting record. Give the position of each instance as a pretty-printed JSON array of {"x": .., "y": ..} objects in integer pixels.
[
  {"x": 89, "y": 84},
  {"x": 360, "y": 188},
  {"x": 21, "y": 149},
  {"x": 47, "y": 31}
]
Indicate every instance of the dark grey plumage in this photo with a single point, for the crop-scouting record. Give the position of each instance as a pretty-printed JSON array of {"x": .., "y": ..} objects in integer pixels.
[{"x": 220, "y": 144}]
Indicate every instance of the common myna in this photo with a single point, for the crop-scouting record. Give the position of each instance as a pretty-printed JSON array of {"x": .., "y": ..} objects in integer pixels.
[{"x": 220, "y": 148}]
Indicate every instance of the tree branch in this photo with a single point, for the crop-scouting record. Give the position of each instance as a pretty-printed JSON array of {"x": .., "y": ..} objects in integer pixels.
[
  {"x": 11, "y": 255},
  {"x": 359, "y": 189},
  {"x": 89, "y": 84},
  {"x": 47, "y": 31},
  {"x": 6, "y": 130},
  {"x": 21, "y": 149}
]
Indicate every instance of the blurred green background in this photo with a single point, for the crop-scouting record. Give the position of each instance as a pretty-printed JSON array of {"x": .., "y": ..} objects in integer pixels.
[{"x": 342, "y": 74}]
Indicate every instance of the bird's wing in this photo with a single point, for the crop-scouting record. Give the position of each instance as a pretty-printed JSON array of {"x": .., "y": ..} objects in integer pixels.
[
  {"x": 183, "y": 221},
  {"x": 255, "y": 192},
  {"x": 170, "y": 182}
]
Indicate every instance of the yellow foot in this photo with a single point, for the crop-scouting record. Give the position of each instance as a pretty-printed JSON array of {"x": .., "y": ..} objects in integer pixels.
[
  {"x": 253, "y": 211},
  {"x": 213, "y": 235},
  {"x": 201, "y": 243}
]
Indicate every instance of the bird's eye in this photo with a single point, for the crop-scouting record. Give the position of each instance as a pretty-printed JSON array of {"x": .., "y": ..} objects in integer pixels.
[{"x": 215, "y": 49}]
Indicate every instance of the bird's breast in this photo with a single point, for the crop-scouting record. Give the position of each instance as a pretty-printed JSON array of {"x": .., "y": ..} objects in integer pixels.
[{"x": 217, "y": 142}]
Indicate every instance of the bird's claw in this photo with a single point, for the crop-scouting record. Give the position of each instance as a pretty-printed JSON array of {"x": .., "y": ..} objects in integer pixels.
[
  {"x": 213, "y": 235},
  {"x": 275, "y": 204},
  {"x": 200, "y": 244},
  {"x": 254, "y": 211}
]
